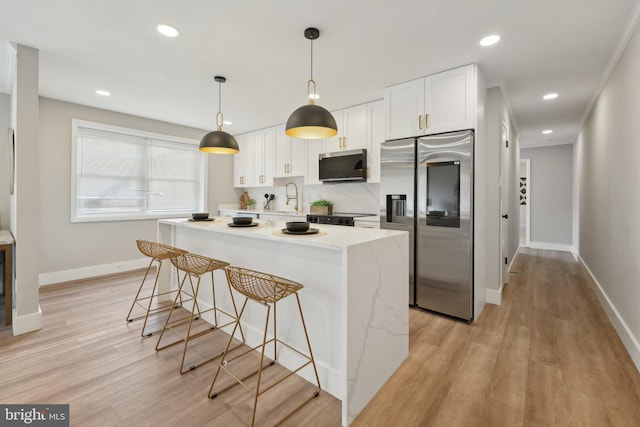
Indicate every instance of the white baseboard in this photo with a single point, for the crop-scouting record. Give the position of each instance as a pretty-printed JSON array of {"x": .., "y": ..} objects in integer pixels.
[
  {"x": 551, "y": 246},
  {"x": 626, "y": 335},
  {"x": 29, "y": 323},
  {"x": 493, "y": 296},
  {"x": 45, "y": 279}
]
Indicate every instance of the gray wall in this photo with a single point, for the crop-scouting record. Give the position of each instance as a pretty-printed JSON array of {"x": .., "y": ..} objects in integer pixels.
[
  {"x": 608, "y": 177},
  {"x": 5, "y": 123},
  {"x": 551, "y": 193},
  {"x": 67, "y": 246}
]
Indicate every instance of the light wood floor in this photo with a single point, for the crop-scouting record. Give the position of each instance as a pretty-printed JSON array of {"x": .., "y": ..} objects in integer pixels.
[{"x": 548, "y": 356}]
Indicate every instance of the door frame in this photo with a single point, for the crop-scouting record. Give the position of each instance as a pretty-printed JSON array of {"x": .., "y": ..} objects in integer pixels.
[{"x": 504, "y": 201}]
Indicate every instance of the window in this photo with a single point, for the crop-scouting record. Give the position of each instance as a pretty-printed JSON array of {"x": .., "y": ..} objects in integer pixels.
[{"x": 124, "y": 174}]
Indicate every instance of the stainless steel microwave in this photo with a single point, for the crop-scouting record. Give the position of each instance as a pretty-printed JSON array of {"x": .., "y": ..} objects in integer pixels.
[{"x": 343, "y": 166}]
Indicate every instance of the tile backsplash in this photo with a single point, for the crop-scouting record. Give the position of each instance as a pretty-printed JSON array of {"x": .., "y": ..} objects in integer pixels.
[{"x": 346, "y": 197}]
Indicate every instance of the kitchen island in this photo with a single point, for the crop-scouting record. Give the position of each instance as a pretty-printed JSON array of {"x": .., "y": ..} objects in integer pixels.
[{"x": 355, "y": 299}]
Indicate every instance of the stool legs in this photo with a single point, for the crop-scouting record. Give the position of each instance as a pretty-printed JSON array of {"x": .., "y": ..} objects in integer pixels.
[
  {"x": 148, "y": 310},
  {"x": 258, "y": 392},
  {"x": 196, "y": 314}
]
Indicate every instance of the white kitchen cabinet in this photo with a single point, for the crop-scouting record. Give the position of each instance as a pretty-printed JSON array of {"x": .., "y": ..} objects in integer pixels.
[
  {"x": 314, "y": 148},
  {"x": 438, "y": 103},
  {"x": 243, "y": 162},
  {"x": 290, "y": 154},
  {"x": 253, "y": 165},
  {"x": 375, "y": 136},
  {"x": 264, "y": 157},
  {"x": 352, "y": 130}
]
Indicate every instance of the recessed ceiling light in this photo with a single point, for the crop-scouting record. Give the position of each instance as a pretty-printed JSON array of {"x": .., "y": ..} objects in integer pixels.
[
  {"x": 227, "y": 122},
  {"x": 547, "y": 132},
  {"x": 550, "y": 96},
  {"x": 314, "y": 96},
  {"x": 103, "y": 92},
  {"x": 490, "y": 40},
  {"x": 168, "y": 30}
]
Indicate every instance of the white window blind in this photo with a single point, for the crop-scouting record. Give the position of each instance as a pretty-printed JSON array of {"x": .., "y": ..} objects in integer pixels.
[{"x": 127, "y": 174}]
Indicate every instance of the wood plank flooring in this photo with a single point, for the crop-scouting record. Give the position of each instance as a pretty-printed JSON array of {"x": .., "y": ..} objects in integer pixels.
[{"x": 547, "y": 356}]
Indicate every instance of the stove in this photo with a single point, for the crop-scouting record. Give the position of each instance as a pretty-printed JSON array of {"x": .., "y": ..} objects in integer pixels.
[{"x": 336, "y": 219}]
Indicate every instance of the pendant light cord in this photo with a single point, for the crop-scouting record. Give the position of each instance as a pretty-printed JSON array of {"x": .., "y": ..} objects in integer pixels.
[
  {"x": 312, "y": 99},
  {"x": 219, "y": 119}
]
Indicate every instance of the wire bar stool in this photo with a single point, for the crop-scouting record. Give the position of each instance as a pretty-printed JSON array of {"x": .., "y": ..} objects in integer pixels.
[
  {"x": 266, "y": 290},
  {"x": 158, "y": 252},
  {"x": 195, "y": 266}
]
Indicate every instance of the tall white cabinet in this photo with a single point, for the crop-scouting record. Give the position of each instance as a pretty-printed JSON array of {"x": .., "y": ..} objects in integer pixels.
[
  {"x": 438, "y": 103},
  {"x": 290, "y": 154}
]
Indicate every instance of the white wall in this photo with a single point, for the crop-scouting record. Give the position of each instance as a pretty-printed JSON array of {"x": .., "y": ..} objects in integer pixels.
[
  {"x": 83, "y": 246},
  {"x": 551, "y": 196},
  {"x": 25, "y": 206},
  {"x": 608, "y": 163},
  {"x": 5, "y": 123},
  {"x": 496, "y": 114}
]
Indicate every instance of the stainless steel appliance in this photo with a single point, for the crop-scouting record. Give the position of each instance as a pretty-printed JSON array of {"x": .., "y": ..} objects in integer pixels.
[
  {"x": 343, "y": 166},
  {"x": 426, "y": 187},
  {"x": 336, "y": 219}
]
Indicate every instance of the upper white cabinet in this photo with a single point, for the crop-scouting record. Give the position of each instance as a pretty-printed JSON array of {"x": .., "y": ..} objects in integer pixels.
[
  {"x": 439, "y": 103},
  {"x": 290, "y": 154},
  {"x": 264, "y": 143},
  {"x": 375, "y": 136},
  {"x": 352, "y": 130},
  {"x": 253, "y": 165},
  {"x": 243, "y": 161},
  {"x": 314, "y": 148}
]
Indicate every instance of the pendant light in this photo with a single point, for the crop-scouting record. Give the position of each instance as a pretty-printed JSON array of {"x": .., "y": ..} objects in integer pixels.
[
  {"x": 311, "y": 121},
  {"x": 218, "y": 141}
]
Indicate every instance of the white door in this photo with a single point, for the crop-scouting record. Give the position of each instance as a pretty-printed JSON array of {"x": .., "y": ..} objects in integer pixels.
[{"x": 504, "y": 204}]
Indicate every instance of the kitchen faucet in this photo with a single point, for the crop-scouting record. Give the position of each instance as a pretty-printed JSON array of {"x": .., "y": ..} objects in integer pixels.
[{"x": 292, "y": 197}]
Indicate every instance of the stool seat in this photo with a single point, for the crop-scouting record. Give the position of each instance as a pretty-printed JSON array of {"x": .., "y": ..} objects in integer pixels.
[
  {"x": 261, "y": 287},
  {"x": 158, "y": 252},
  {"x": 267, "y": 290}
]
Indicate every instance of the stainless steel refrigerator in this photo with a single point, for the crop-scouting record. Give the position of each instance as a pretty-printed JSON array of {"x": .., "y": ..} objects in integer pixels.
[{"x": 426, "y": 187}]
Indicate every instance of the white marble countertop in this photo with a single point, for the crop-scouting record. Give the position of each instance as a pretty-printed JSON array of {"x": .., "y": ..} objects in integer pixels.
[
  {"x": 330, "y": 236},
  {"x": 267, "y": 212}
]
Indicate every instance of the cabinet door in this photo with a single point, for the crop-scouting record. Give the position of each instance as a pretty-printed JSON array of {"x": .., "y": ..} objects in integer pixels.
[
  {"x": 314, "y": 149},
  {"x": 449, "y": 100},
  {"x": 298, "y": 161},
  {"x": 404, "y": 109},
  {"x": 268, "y": 156},
  {"x": 282, "y": 152},
  {"x": 335, "y": 142},
  {"x": 375, "y": 136},
  {"x": 354, "y": 127},
  {"x": 258, "y": 158},
  {"x": 243, "y": 162}
]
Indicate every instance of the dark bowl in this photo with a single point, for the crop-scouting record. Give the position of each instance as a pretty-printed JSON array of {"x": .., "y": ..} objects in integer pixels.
[
  {"x": 242, "y": 220},
  {"x": 297, "y": 226},
  {"x": 200, "y": 215}
]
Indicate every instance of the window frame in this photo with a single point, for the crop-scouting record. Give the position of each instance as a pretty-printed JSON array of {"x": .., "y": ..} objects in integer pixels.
[{"x": 166, "y": 139}]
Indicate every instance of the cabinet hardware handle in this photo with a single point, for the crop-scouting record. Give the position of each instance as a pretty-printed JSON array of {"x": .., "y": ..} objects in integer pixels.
[
  {"x": 344, "y": 142},
  {"x": 426, "y": 121},
  {"x": 242, "y": 180},
  {"x": 420, "y": 121}
]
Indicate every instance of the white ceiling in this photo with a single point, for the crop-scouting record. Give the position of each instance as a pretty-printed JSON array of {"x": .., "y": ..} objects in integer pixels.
[{"x": 564, "y": 46}]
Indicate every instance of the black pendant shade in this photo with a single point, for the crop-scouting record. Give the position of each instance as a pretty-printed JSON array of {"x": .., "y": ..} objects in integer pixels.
[
  {"x": 219, "y": 141},
  {"x": 311, "y": 121}
]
